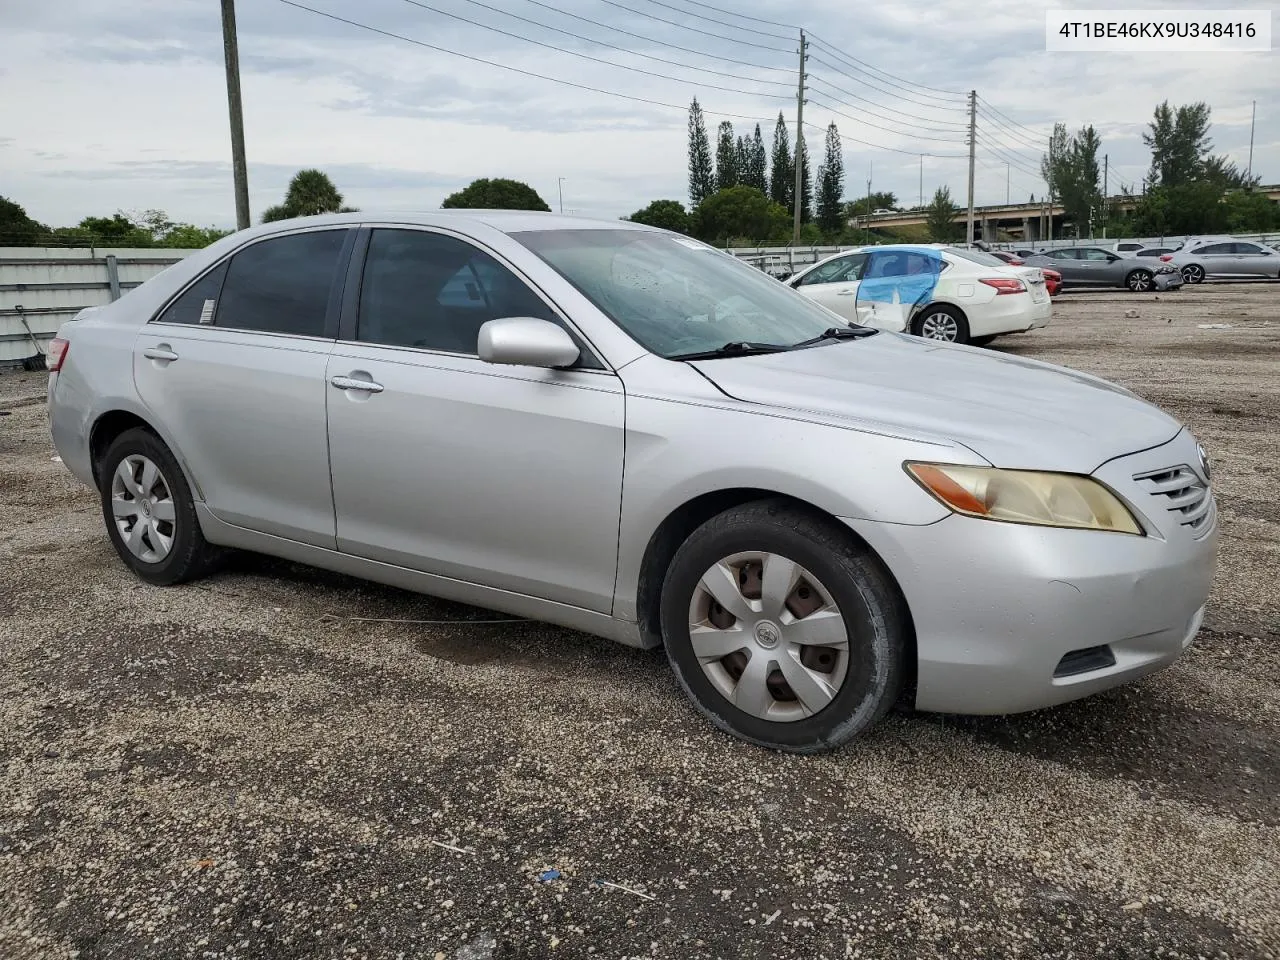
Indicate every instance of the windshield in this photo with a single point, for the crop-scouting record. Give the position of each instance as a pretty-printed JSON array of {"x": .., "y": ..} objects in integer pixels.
[
  {"x": 977, "y": 256},
  {"x": 677, "y": 296}
]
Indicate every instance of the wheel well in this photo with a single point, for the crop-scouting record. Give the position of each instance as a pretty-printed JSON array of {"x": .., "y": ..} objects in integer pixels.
[
  {"x": 106, "y": 429},
  {"x": 681, "y": 522},
  {"x": 946, "y": 305}
]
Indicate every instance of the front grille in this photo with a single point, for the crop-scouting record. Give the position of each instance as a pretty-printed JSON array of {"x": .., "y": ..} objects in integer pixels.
[{"x": 1184, "y": 494}]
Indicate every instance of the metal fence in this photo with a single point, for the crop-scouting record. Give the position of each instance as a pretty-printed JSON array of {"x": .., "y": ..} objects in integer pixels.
[{"x": 41, "y": 287}]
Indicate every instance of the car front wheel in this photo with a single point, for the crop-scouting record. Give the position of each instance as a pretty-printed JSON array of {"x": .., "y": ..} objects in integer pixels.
[
  {"x": 1139, "y": 281},
  {"x": 782, "y": 629},
  {"x": 941, "y": 323}
]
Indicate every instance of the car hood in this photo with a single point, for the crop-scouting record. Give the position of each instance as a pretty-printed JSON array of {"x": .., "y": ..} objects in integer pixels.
[{"x": 1017, "y": 413}]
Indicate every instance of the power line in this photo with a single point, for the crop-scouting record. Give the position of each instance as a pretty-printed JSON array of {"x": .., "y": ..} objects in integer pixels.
[
  {"x": 1010, "y": 120},
  {"x": 875, "y": 146},
  {"x": 1016, "y": 141},
  {"x": 957, "y": 127},
  {"x": 857, "y": 64},
  {"x": 1016, "y": 182},
  {"x": 1014, "y": 161},
  {"x": 503, "y": 66},
  {"x": 721, "y": 23},
  {"x": 827, "y": 106},
  {"x": 740, "y": 16},
  {"x": 664, "y": 43},
  {"x": 587, "y": 56},
  {"x": 867, "y": 81},
  {"x": 685, "y": 26}
]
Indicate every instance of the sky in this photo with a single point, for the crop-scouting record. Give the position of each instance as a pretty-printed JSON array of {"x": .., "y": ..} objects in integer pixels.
[{"x": 112, "y": 105}]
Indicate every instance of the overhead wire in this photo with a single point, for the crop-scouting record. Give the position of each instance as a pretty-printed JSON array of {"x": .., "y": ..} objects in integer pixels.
[
  {"x": 741, "y": 16},
  {"x": 1002, "y": 118},
  {"x": 877, "y": 146},
  {"x": 587, "y": 56},
  {"x": 955, "y": 126},
  {"x": 867, "y": 81},
  {"x": 892, "y": 79},
  {"x": 685, "y": 26},
  {"x": 790, "y": 71},
  {"x": 917, "y": 136},
  {"x": 683, "y": 108},
  {"x": 1013, "y": 161},
  {"x": 720, "y": 23}
]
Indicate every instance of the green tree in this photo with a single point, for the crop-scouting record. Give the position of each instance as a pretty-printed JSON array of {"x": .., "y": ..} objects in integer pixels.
[
  {"x": 782, "y": 175},
  {"x": 742, "y": 159},
  {"x": 16, "y": 228},
  {"x": 497, "y": 193},
  {"x": 739, "y": 214},
  {"x": 806, "y": 181},
  {"x": 309, "y": 194},
  {"x": 116, "y": 230},
  {"x": 1179, "y": 142},
  {"x": 831, "y": 216},
  {"x": 1248, "y": 211},
  {"x": 726, "y": 157},
  {"x": 665, "y": 214},
  {"x": 882, "y": 200},
  {"x": 702, "y": 178},
  {"x": 187, "y": 236},
  {"x": 1072, "y": 171},
  {"x": 757, "y": 169},
  {"x": 940, "y": 217}
]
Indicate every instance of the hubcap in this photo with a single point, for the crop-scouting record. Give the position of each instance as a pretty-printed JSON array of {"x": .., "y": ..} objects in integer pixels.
[
  {"x": 939, "y": 326},
  {"x": 769, "y": 636},
  {"x": 1193, "y": 274},
  {"x": 142, "y": 506},
  {"x": 1139, "y": 281}
]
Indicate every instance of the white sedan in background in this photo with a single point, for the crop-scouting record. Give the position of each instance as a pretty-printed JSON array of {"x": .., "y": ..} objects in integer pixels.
[{"x": 934, "y": 291}]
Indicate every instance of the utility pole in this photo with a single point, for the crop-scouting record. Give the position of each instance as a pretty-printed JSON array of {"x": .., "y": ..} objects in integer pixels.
[
  {"x": 560, "y": 187},
  {"x": 1252, "y": 117},
  {"x": 868, "y": 194},
  {"x": 1106, "y": 193},
  {"x": 1008, "y": 176},
  {"x": 799, "y": 197},
  {"x": 922, "y": 180},
  {"x": 239, "y": 168},
  {"x": 973, "y": 144}
]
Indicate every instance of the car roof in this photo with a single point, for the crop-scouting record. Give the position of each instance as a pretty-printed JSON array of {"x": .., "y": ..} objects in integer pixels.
[{"x": 507, "y": 221}]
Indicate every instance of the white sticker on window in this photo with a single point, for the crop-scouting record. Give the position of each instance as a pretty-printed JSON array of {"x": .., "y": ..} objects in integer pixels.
[
  {"x": 206, "y": 311},
  {"x": 693, "y": 244}
]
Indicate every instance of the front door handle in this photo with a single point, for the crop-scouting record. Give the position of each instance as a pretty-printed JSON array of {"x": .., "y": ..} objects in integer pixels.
[
  {"x": 845, "y": 293},
  {"x": 161, "y": 352},
  {"x": 351, "y": 383}
]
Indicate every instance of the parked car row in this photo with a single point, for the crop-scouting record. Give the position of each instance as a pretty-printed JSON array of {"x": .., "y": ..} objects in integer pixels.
[
  {"x": 1143, "y": 268},
  {"x": 633, "y": 434}
]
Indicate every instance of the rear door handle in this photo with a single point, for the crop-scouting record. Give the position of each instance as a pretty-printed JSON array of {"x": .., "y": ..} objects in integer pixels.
[
  {"x": 351, "y": 383},
  {"x": 159, "y": 353}
]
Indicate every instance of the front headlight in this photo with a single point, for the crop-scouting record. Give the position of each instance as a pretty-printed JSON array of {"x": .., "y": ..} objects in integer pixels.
[{"x": 1026, "y": 496}]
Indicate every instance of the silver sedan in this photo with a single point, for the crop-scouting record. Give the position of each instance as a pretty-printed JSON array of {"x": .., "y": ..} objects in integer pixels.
[
  {"x": 1093, "y": 266},
  {"x": 630, "y": 433}
]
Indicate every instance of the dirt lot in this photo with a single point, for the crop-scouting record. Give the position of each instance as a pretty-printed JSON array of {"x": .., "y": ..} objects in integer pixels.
[{"x": 233, "y": 769}]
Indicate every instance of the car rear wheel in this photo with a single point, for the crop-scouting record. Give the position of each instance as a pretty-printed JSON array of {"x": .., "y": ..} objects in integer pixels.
[
  {"x": 1140, "y": 281},
  {"x": 149, "y": 511},
  {"x": 1193, "y": 273},
  {"x": 782, "y": 629},
  {"x": 941, "y": 323}
]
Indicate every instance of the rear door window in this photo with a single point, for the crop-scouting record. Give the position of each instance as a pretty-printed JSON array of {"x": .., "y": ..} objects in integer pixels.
[
  {"x": 1217, "y": 248},
  {"x": 282, "y": 285}
]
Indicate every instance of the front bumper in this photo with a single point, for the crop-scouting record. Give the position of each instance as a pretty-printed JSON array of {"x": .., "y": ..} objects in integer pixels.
[{"x": 997, "y": 606}]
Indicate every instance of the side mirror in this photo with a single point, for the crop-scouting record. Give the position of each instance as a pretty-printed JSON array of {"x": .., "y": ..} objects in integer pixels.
[{"x": 526, "y": 341}]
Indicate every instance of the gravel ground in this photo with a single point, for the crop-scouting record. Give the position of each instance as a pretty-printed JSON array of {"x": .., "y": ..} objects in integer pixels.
[{"x": 233, "y": 769}]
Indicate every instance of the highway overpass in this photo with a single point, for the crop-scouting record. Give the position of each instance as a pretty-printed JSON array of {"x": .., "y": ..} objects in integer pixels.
[{"x": 1017, "y": 221}]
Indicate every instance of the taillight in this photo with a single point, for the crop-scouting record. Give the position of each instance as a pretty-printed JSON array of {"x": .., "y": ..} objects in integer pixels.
[
  {"x": 57, "y": 354},
  {"x": 1015, "y": 262},
  {"x": 1005, "y": 285},
  {"x": 1166, "y": 257}
]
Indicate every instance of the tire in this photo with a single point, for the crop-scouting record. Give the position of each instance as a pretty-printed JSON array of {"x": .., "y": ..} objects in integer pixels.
[
  {"x": 1193, "y": 273},
  {"x": 941, "y": 320},
  {"x": 847, "y": 691},
  {"x": 171, "y": 547},
  {"x": 982, "y": 341},
  {"x": 1140, "y": 281}
]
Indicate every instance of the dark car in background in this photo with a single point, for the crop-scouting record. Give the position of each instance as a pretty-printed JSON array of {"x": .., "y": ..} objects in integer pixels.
[{"x": 1096, "y": 267}]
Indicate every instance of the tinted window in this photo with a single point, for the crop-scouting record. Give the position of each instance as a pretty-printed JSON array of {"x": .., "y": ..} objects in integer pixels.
[
  {"x": 198, "y": 302},
  {"x": 1093, "y": 254},
  {"x": 843, "y": 270},
  {"x": 902, "y": 263},
  {"x": 979, "y": 256},
  {"x": 1247, "y": 248},
  {"x": 1065, "y": 254},
  {"x": 432, "y": 291},
  {"x": 1217, "y": 248},
  {"x": 282, "y": 285}
]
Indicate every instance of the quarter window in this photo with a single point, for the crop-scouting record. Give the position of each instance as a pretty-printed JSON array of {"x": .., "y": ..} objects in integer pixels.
[
  {"x": 282, "y": 285},
  {"x": 1248, "y": 248},
  {"x": 199, "y": 301},
  {"x": 434, "y": 292}
]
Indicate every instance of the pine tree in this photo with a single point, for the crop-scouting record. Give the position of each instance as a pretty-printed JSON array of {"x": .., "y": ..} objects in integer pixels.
[
  {"x": 782, "y": 175},
  {"x": 726, "y": 157},
  {"x": 758, "y": 167},
  {"x": 701, "y": 177},
  {"x": 806, "y": 182},
  {"x": 831, "y": 184},
  {"x": 742, "y": 160}
]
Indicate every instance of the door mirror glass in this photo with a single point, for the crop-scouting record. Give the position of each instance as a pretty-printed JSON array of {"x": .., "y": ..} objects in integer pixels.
[{"x": 526, "y": 341}]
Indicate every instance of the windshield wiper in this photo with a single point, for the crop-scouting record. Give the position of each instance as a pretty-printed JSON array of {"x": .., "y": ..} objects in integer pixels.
[
  {"x": 838, "y": 333},
  {"x": 734, "y": 348}
]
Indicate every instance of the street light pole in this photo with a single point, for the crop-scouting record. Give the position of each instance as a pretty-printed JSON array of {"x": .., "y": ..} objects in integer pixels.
[
  {"x": 560, "y": 186},
  {"x": 239, "y": 168}
]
